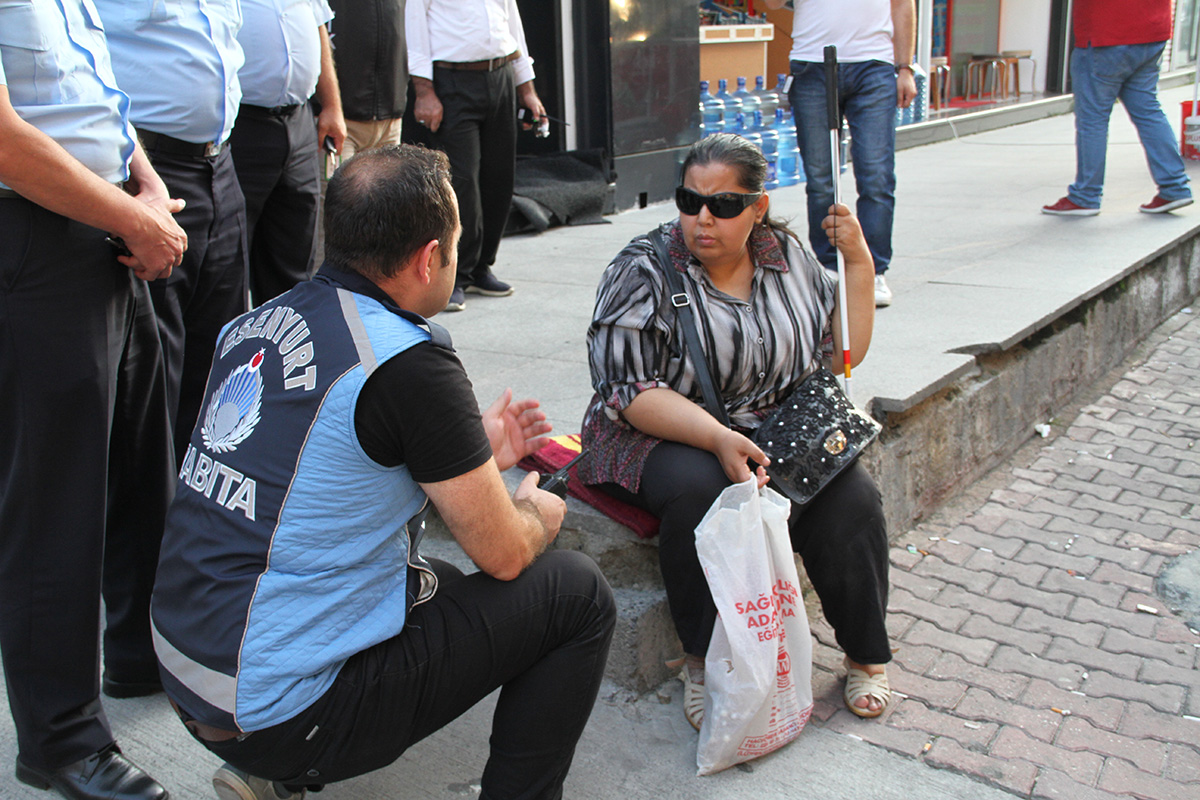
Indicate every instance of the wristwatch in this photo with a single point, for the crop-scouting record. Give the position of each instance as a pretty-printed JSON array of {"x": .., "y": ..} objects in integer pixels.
[{"x": 903, "y": 66}]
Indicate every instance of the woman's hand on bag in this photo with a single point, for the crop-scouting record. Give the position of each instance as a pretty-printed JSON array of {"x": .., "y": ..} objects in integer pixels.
[{"x": 733, "y": 450}]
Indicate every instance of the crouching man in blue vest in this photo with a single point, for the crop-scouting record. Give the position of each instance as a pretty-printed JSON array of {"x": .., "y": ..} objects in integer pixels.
[{"x": 300, "y": 636}]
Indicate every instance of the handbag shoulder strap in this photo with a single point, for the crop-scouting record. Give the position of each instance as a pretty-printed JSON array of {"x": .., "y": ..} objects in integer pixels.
[{"x": 687, "y": 326}]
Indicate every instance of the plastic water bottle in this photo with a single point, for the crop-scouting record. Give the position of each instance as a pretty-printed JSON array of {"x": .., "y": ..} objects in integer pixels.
[
  {"x": 787, "y": 165},
  {"x": 921, "y": 103},
  {"x": 768, "y": 100},
  {"x": 742, "y": 129},
  {"x": 769, "y": 144},
  {"x": 733, "y": 105},
  {"x": 712, "y": 112},
  {"x": 781, "y": 91},
  {"x": 750, "y": 102}
]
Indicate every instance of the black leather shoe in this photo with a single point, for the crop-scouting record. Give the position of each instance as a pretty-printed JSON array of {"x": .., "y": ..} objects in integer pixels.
[
  {"x": 104, "y": 775},
  {"x": 122, "y": 689}
]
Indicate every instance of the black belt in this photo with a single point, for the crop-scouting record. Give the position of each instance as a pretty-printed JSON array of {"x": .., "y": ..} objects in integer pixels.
[
  {"x": 273, "y": 111},
  {"x": 487, "y": 65},
  {"x": 161, "y": 143},
  {"x": 9, "y": 194}
]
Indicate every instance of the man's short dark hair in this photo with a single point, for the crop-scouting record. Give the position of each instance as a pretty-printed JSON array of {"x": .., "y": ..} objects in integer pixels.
[{"x": 384, "y": 205}]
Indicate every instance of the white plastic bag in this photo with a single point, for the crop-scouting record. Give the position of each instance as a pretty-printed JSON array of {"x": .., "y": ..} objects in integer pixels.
[{"x": 758, "y": 670}]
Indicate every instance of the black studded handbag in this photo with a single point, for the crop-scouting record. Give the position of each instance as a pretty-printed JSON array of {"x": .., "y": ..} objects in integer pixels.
[{"x": 810, "y": 437}]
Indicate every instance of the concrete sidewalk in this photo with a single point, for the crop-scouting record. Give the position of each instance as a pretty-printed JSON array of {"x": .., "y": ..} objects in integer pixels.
[{"x": 1008, "y": 609}]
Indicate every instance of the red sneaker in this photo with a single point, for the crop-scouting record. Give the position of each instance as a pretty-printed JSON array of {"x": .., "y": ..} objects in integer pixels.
[
  {"x": 1065, "y": 208},
  {"x": 1160, "y": 206}
]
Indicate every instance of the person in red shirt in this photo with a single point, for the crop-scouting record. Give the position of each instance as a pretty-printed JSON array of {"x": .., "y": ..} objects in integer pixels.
[{"x": 1118, "y": 48}]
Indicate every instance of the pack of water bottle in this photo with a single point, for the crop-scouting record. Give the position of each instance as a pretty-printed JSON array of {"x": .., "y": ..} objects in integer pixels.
[{"x": 762, "y": 116}]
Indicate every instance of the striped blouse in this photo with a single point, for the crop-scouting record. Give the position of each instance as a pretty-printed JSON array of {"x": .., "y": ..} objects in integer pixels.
[{"x": 758, "y": 350}]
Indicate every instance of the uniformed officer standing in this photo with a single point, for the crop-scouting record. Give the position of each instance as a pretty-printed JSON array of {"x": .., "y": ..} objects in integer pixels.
[
  {"x": 275, "y": 142},
  {"x": 178, "y": 61},
  {"x": 83, "y": 413}
]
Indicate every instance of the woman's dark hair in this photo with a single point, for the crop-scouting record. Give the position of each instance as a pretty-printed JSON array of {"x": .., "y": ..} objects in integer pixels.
[
  {"x": 740, "y": 154},
  {"x": 384, "y": 205}
]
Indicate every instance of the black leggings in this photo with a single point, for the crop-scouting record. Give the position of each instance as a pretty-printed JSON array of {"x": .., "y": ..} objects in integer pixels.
[{"x": 841, "y": 535}]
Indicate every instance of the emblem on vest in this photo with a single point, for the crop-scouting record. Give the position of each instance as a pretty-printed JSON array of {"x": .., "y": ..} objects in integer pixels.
[{"x": 234, "y": 408}]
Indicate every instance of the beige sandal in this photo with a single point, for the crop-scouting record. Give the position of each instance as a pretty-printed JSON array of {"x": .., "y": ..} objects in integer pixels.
[
  {"x": 693, "y": 699},
  {"x": 859, "y": 685}
]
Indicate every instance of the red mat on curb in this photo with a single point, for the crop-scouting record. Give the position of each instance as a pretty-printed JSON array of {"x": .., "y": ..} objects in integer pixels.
[{"x": 562, "y": 449}]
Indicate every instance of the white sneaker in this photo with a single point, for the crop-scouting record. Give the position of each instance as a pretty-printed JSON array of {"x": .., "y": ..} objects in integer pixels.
[
  {"x": 883, "y": 295},
  {"x": 232, "y": 783}
]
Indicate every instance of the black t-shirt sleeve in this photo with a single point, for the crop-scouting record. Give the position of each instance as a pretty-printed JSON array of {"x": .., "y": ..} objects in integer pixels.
[{"x": 418, "y": 408}]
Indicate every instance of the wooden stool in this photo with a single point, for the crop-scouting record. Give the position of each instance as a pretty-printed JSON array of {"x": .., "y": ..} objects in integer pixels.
[
  {"x": 986, "y": 69},
  {"x": 1014, "y": 58}
]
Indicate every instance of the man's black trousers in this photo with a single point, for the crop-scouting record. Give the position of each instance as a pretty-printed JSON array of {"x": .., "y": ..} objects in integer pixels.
[
  {"x": 86, "y": 473},
  {"x": 542, "y": 639},
  {"x": 275, "y": 154},
  {"x": 479, "y": 135},
  {"x": 209, "y": 288}
]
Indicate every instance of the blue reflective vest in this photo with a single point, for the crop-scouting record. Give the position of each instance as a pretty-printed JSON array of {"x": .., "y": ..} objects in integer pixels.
[{"x": 286, "y": 549}]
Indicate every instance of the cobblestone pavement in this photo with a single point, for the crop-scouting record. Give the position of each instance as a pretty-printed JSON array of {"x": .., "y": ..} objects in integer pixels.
[{"x": 1033, "y": 652}]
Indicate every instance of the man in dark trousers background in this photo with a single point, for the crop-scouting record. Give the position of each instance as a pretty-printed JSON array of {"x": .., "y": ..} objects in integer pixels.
[{"x": 470, "y": 67}]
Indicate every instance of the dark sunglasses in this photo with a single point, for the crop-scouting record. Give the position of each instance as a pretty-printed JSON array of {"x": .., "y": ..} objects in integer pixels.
[{"x": 725, "y": 205}]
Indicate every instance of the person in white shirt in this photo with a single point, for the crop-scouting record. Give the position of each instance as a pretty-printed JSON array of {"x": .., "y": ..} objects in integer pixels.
[
  {"x": 470, "y": 67},
  {"x": 875, "y": 41}
]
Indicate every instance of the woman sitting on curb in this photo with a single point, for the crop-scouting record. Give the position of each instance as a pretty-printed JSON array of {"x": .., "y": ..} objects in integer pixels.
[{"x": 764, "y": 307}]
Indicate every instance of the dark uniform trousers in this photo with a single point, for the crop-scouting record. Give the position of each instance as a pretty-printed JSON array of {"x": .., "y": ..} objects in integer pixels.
[
  {"x": 209, "y": 288},
  {"x": 479, "y": 135},
  {"x": 86, "y": 473},
  {"x": 276, "y": 156}
]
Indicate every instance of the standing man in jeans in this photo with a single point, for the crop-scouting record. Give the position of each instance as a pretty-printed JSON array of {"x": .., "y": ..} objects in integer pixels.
[
  {"x": 470, "y": 67},
  {"x": 1118, "y": 50},
  {"x": 875, "y": 41}
]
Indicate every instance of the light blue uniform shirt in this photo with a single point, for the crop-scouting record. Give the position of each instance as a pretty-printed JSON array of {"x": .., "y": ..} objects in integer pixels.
[
  {"x": 178, "y": 61},
  {"x": 283, "y": 50},
  {"x": 54, "y": 61}
]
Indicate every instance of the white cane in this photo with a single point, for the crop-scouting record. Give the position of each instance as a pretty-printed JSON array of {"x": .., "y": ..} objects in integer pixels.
[{"x": 835, "y": 149}]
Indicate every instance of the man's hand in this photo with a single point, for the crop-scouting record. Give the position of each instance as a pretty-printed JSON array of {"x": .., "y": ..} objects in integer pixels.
[
  {"x": 906, "y": 88},
  {"x": 331, "y": 124},
  {"x": 155, "y": 239},
  {"x": 515, "y": 429},
  {"x": 527, "y": 96},
  {"x": 549, "y": 507},
  {"x": 428, "y": 108}
]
